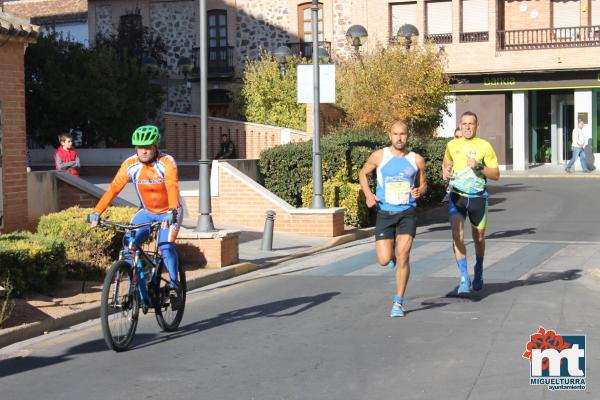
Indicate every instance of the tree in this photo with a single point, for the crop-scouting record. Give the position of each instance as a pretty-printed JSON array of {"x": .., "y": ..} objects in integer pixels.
[
  {"x": 269, "y": 98},
  {"x": 103, "y": 91},
  {"x": 392, "y": 84}
]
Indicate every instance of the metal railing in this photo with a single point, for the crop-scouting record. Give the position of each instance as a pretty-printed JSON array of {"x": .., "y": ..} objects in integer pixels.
[
  {"x": 547, "y": 38},
  {"x": 466, "y": 37},
  {"x": 220, "y": 62},
  {"x": 439, "y": 38},
  {"x": 305, "y": 49}
]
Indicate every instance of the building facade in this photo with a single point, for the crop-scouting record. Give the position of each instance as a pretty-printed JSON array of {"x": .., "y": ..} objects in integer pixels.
[{"x": 529, "y": 68}]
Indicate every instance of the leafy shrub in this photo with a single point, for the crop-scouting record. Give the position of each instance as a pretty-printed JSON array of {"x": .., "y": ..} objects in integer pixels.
[
  {"x": 270, "y": 99},
  {"x": 31, "y": 261},
  {"x": 6, "y": 304},
  {"x": 88, "y": 250},
  {"x": 395, "y": 84}
]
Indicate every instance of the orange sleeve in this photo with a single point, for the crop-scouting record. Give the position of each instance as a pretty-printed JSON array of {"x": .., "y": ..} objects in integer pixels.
[
  {"x": 172, "y": 182},
  {"x": 114, "y": 189}
]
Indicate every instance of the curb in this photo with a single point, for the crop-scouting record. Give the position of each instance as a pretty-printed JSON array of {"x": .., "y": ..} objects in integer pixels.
[{"x": 19, "y": 333}]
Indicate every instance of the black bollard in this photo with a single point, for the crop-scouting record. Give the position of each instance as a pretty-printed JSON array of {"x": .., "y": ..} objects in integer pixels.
[{"x": 267, "y": 239}]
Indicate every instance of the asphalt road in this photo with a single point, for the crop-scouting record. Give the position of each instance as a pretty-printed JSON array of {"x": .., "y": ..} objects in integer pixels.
[{"x": 318, "y": 327}]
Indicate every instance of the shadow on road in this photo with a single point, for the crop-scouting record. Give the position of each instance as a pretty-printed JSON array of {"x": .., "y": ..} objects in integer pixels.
[
  {"x": 276, "y": 309},
  {"x": 499, "y": 287},
  {"x": 511, "y": 233},
  {"x": 17, "y": 365}
]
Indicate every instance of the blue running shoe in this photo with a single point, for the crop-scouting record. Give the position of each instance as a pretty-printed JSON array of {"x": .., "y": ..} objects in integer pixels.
[
  {"x": 392, "y": 265},
  {"x": 397, "y": 310},
  {"x": 465, "y": 285},
  {"x": 478, "y": 278}
]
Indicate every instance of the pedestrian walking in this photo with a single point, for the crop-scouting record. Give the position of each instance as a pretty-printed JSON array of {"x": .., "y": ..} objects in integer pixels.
[
  {"x": 400, "y": 182},
  {"x": 578, "y": 147},
  {"x": 468, "y": 163}
]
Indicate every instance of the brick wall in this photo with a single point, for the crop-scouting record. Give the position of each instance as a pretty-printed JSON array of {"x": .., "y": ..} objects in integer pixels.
[
  {"x": 70, "y": 196},
  {"x": 12, "y": 112},
  {"x": 519, "y": 14},
  {"x": 241, "y": 204},
  {"x": 329, "y": 116},
  {"x": 183, "y": 136}
]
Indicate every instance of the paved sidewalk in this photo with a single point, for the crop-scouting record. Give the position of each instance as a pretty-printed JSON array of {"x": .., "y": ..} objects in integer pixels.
[
  {"x": 549, "y": 171},
  {"x": 39, "y": 314}
]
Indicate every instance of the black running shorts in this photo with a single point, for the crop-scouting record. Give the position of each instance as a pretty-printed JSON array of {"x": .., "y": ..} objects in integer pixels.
[{"x": 390, "y": 224}]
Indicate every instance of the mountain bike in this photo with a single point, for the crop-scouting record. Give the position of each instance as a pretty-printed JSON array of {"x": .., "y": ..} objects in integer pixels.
[{"x": 139, "y": 280}]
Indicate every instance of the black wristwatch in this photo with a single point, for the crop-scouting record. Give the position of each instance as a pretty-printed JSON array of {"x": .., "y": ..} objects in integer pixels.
[{"x": 479, "y": 166}]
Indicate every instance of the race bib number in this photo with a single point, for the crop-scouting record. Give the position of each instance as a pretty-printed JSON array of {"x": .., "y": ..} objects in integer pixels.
[{"x": 397, "y": 191}]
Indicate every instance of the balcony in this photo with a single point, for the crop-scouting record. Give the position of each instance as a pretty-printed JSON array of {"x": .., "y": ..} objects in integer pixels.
[
  {"x": 220, "y": 62},
  {"x": 441, "y": 38},
  {"x": 305, "y": 49},
  {"x": 470, "y": 37},
  {"x": 548, "y": 38}
]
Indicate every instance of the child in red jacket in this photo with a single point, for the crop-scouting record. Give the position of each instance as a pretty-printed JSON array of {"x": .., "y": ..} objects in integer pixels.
[{"x": 66, "y": 158}]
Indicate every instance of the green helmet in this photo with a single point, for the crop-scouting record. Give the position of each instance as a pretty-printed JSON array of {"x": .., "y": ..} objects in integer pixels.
[{"x": 145, "y": 135}]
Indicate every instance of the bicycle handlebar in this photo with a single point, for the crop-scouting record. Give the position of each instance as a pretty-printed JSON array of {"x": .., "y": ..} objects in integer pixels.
[{"x": 128, "y": 227}]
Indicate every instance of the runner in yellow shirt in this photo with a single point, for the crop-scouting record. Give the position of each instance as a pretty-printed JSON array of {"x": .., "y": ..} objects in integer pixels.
[{"x": 468, "y": 163}]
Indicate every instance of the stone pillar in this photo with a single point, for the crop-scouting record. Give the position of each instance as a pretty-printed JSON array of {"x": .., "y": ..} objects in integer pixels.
[{"x": 519, "y": 131}]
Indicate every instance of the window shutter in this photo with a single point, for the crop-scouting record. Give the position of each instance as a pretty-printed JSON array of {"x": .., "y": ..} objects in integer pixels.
[
  {"x": 595, "y": 12},
  {"x": 405, "y": 13},
  {"x": 475, "y": 16},
  {"x": 565, "y": 13},
  {"x": 439, "y": 17}
]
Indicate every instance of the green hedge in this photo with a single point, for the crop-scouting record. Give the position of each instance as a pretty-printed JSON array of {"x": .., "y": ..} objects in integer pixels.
[
  {"x": 287, "y": 169},
  {"x": 89, "y": 250},
  {"x": 32, "y": 262}
]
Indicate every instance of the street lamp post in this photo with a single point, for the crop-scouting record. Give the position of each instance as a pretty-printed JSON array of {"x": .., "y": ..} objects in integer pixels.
[
  {"x": 205, "y": 223},
  {"x": 281, "y": 53},
  {"x": 407, "y": 31},
  {"x": 317, "y": 199},
  {"x": 356, "y": 36}
]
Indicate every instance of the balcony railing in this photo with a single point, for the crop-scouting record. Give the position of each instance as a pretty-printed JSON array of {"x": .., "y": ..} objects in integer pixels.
[
  {"x": 467, "y": 37},
  {"x": 439, "y": 38},
  {"x": 220, "y": 62},
  {"x": 548, "y": 38},
  {"x": 305, "y": 49}
]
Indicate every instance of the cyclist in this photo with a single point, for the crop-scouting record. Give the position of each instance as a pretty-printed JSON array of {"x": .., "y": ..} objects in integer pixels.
[
  {"x": 468, "y": 163},
  {"x": 154, "y": 175}
]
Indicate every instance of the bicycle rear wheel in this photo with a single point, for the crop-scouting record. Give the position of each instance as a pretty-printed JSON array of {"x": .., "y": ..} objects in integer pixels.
[
  {"x": 169, "y": 303},
  {"x": 119, "y": 309}
]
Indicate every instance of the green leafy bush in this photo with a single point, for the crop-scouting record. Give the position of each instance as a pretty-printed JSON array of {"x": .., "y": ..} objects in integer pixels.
[
  {"x": 390, "y": 84},
  {"x": 32, "y": 262},
  {"x": 88, "y": 250},
  {"x": 287, "y": 170},
  {"x": 268, "y": 98}
]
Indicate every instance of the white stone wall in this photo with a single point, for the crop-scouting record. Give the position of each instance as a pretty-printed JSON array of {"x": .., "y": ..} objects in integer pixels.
[
  {"x": 175, "y": 23},
  {"x": 342, "y": 20},
  {"x": 260, "y": 24}
]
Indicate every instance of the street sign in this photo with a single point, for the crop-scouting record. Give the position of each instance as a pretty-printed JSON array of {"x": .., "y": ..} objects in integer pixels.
[{"x": 326, "y": 83}]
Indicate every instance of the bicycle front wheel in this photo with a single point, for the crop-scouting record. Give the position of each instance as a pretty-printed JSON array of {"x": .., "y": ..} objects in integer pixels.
[
  {"x": 170, "y": 301},
  {"x": 119, "y": 309}
]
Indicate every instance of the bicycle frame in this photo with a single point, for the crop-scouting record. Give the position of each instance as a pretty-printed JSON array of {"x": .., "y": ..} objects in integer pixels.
[{"x": 140, "y": 260}]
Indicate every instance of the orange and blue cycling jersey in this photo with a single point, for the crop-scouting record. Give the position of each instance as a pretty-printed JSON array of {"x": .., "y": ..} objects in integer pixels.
[{"x": 156, "y": 184}]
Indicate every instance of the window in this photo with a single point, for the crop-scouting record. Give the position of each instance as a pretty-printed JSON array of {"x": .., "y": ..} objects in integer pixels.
[
  {"x": 405, "y": 13},
  {"x": 595, "y": 12},
  {"x": 305, "y": 32},
  {"x": 217, "y": 39},
  {"x": 439, "y": 21},
  {"x": 565, "y": 13},
  {"x": 217, "y": 28},
  {"x": 474, "y": 15}
]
